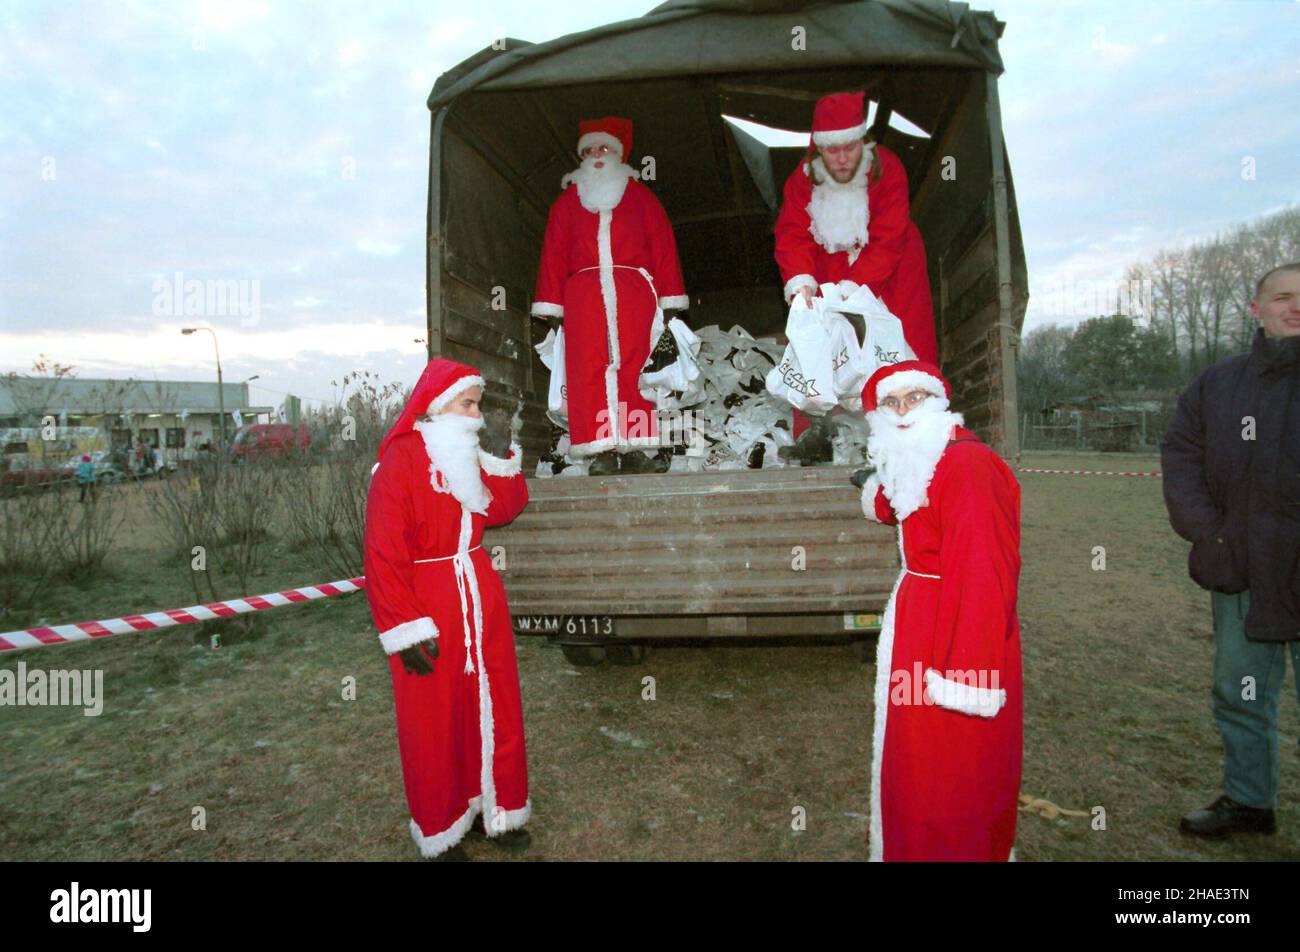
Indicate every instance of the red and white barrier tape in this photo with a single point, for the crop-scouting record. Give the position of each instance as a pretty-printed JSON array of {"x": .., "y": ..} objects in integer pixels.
[
  {"x": 60, "y": 634},
  {"x": 1084, "y": 472}
]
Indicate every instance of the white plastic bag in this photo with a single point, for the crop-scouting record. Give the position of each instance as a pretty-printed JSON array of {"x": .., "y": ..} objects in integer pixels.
[
  {"x": 551, "y": 350},
  {"x": 805, "y": 375},
  {"x": 885, "y": 343},
  {"x": 680, "y": 383}
]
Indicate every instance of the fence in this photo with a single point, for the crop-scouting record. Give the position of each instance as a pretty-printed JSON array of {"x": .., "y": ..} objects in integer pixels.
[{"x": 1121, "y": 432}]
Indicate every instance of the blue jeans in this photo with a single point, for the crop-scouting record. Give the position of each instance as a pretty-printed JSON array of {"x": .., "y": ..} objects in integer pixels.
[{"x": 1248, "y": 680}]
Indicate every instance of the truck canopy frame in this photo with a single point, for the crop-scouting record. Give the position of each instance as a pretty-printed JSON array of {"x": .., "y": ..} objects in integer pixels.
[{"x": 503, "y": 128}]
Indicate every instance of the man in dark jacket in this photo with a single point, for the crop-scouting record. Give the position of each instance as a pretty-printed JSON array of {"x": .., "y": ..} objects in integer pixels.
[{"x": 1231, "y": 462}]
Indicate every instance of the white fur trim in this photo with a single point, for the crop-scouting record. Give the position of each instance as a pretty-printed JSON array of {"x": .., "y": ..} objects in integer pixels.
[
  {"x": 609, "y": 297},
  {"x": 580, "y": 450},
  {"x": 373, "y": 468},
  {"x": 544, "y": 309},
  {"x": 496, "y": 466},
  {"x": 439, "y": 843},
  {"x": 407, "y": 634},
  {"x": 912, "y": 380},
  {"x": 884, "y": 666},
  {"x": 966, "y": 698},
  {"x": 452, "y": 392},
  {"x": 675, "y": 302},
  {"x": 840, "y": 136},
  {"x": 800, "y": 281},
  {"x": 506, "y": 820},
  {"x": 601, "y": 138},
  {"x": 869, "y": 490}
]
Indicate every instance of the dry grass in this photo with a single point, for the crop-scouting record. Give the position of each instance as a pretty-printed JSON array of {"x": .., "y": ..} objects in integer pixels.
[{"x": 1117, "y": 715}]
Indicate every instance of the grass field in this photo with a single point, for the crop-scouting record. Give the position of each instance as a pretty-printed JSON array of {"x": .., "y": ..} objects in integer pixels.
[{"x": 1117, "y": 668}]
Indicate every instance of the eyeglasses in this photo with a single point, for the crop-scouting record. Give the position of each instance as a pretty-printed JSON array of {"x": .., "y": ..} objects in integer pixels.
[
  {"x": 913, "y": 399},
  {"x": 593, "y": 150}
]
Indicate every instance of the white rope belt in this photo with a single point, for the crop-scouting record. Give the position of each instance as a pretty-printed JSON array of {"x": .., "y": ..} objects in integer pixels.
[
  {"x": 465, "y": 575},
  {"x": 922, "y": 574}
]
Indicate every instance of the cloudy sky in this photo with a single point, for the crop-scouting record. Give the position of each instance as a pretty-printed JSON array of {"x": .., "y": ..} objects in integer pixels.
[{"x": 283, "y": 146}]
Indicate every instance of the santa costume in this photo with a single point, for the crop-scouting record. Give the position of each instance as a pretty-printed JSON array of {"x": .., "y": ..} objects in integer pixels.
[
  {"x": 460, "y": 730},
  {"x": 609, "y": 262},
  {"x": 946, "y": 751},
  {"x": 860, "y": 230}
]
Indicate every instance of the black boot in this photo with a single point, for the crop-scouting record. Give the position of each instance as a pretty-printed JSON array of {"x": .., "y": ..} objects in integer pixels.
[
  {"x": 813, "y": 445},
  {"x": 604, "y": 464},
  {"x": 455, "y": 854},
  {"x": 510, "y": 839},
  {"x": 1225, "y": 816},
  {"x": 637, "y": 462}
]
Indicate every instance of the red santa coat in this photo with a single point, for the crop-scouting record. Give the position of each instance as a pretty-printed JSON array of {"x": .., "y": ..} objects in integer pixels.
[
  {"x": 891, "y": 264},
  {"x": 606, "y": 273},
  {"x": 947, "y": 744},
  {"x": 461, "y": 735}
]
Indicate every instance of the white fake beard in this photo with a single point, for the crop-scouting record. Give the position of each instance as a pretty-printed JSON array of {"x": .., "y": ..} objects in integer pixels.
[
  {"x": 451, "y": 440},
  {"x": 600, "y": 189},
  {"x": 905, "y": 458},
  {"x": 839, "y": 210}
]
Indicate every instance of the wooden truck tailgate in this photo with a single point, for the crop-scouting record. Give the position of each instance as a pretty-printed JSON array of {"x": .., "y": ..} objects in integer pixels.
[{"x": 740, "y": 542}]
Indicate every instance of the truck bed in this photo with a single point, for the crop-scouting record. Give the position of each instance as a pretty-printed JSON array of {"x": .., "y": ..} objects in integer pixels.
[{"x": 731, "y": 545}]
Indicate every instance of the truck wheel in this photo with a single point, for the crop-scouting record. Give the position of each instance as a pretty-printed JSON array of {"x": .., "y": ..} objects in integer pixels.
[
  {"x": 626, "y": 654},
  {"x": 584, "y": 656}
]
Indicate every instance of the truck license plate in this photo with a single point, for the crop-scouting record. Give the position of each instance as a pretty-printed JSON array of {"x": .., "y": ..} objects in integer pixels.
[{"x": 573, "y": 625}]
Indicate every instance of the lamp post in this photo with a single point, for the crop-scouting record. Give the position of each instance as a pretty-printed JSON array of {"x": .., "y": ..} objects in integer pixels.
[{"x": 221, "y": 390}]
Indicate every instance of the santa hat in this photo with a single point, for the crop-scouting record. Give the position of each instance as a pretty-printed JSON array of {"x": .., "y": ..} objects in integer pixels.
[
  {"x": 613, "y": 131},
  {"x": 838, "y": 119},
  {"x": 442, "y": 381},
  {"x": 85, "y": 457},
  {"x": 909, "y": 374}
]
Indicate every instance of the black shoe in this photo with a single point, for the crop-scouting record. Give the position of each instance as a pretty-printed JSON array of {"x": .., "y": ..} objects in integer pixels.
[
  {"x": 456, "y": 854},
  {"x": 510, "y": 839},
  {"x": 637, "y": 462},
  {"x": 813, "y": 446},
  {"x": 604, "y": 464},
  {"x": 1225, "y": 816}
]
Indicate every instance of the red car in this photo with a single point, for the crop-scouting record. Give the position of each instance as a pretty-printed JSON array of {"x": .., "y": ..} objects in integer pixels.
[{"x": 268, "y": 439}]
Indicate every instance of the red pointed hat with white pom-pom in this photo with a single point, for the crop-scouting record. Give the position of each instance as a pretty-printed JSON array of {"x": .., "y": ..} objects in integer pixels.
[
  {"x": 613, "y": 131},
  {"x": 442, "y": 381},
  {"x": 838, "y": 119},
  {"x": 906, "y": 374}
]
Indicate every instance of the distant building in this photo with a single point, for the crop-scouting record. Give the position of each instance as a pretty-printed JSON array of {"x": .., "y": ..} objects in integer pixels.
[{"x": 57, "y": 419}]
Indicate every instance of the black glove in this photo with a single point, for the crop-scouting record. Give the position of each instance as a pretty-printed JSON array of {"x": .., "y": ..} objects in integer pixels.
[
  {"x": 494, "y": 438},
  {"x": 418, "y": 659},
  {"x": 554, "y": 323},
  {"x": 860, "y": 477}
]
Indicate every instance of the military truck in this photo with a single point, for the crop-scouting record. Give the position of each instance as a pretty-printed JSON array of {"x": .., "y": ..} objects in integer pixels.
[{"x": 603, "y": 563}]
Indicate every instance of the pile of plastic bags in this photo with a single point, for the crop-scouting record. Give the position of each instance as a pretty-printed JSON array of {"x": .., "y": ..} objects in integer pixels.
[{"x": 726, "y": 397}]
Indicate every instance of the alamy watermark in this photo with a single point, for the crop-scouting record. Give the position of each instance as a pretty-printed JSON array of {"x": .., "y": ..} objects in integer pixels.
[
  {"x": 54, "y": 688},
  {"x": 182, "y": 297},
  {"x": 1087, "y": 298}
]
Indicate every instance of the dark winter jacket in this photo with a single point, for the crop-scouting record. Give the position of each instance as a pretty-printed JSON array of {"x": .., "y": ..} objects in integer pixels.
[{"x": 1231, "y": 463}]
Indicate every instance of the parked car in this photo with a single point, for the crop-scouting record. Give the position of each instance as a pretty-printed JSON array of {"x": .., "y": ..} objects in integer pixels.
[
  {"x": 258, "y": 440},
  {"x": 20, "y": 472}
]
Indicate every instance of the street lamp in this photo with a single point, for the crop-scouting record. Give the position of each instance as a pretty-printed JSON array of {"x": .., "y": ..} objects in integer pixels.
[{"x": 221, "y": 390}]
